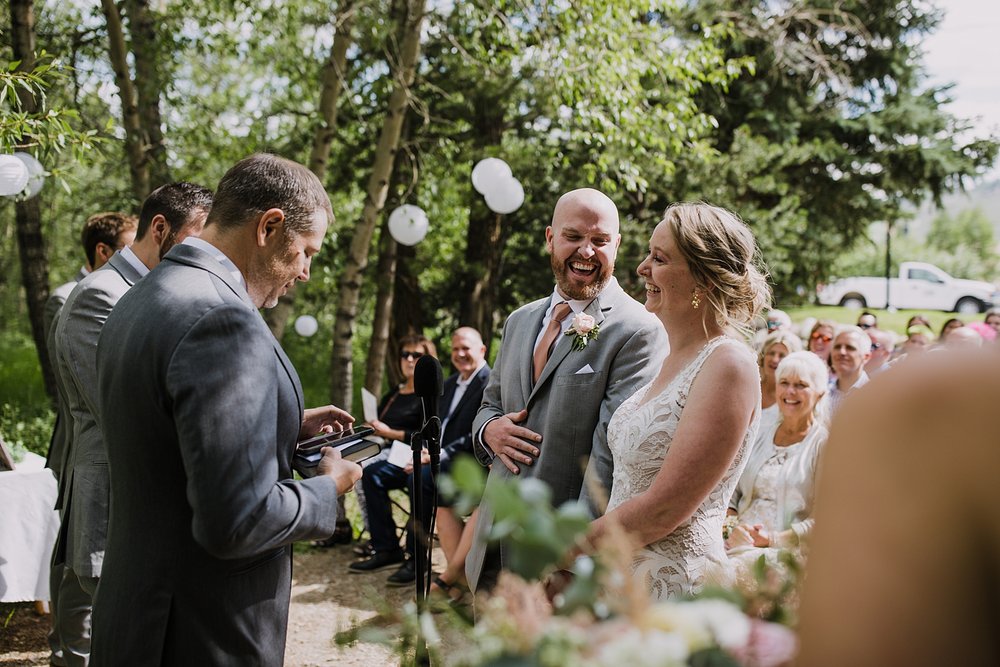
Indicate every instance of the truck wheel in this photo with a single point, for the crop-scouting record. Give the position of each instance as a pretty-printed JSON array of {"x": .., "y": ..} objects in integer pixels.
[
  {"x": 968, "y": 306},
  {"x": 853, "y": 302}
]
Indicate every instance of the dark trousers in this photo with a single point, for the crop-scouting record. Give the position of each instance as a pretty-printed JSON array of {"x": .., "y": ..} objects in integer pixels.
[{"x": 380, "y": 478}]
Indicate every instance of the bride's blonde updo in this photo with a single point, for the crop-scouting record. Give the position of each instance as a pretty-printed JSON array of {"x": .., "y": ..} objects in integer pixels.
[{"x": 723, "y": 258}]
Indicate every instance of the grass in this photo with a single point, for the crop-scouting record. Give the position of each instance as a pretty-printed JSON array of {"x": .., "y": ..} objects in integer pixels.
[{"x": 890, "y": 321}]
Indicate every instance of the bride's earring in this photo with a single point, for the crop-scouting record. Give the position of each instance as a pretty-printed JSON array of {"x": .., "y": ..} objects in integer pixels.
[{"x": 695, "y": 301}]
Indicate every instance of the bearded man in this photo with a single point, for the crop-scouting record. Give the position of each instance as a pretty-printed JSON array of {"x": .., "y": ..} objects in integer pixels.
[{"x": 566, "y": 362}]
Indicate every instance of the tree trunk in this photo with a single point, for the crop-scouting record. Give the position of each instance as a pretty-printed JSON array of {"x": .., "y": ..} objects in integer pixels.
[
  {"x": 27, "y": 214},
  {"x": 484, "y": 238},
  {"x": 332, "y": 81},
  {"x": 385, "y": 274},
  {"x": 149, "y": 87},
  {"x": 135, "y": 151},
  {"x": 341, "y": 367}
]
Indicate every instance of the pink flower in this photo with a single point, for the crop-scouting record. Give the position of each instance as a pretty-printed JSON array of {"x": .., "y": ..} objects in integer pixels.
[
  {"x": 583, "y": 324},
  {"x": 770, "y": 645}
]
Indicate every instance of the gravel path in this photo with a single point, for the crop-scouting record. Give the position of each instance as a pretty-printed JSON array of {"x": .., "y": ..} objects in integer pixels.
[{"x": 326, "y": 599}]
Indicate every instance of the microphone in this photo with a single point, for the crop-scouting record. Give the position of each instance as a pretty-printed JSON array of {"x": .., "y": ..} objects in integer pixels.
[{"x": 428, "y": 384}]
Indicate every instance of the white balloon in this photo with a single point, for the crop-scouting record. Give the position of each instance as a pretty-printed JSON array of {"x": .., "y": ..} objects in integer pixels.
[
  {"x": 13, "y": 175},
  {"x": 306, "y": 325},
  {"x": 488, "y": 172},
  {"x": 506, "y": 196},
  {"x": 408, "y": 224},
  {"x": 36, "y": 174}
]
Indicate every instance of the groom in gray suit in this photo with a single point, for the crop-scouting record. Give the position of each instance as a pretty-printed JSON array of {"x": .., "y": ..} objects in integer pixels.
[
  {"x": 546, "y": 408},
  {"x": 207, "y": 413},
  {"x": 170, "y": 212}
]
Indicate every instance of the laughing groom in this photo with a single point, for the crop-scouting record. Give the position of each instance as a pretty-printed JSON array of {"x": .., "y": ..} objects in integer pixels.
[{"x": 550, "y": 396}]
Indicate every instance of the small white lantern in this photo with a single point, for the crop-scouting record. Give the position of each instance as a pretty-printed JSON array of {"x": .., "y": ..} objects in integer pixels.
[
  {"x": 13, "y": 176},
  {"x": 506, "y": 196},
  {"x": 488, "y": 172},
  {"x": 408, "y": 224},
  {"x": 306, "y": 325},
  {"x": 36, "y": 174}
]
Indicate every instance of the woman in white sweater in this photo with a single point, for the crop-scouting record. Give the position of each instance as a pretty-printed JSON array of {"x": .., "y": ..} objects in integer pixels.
[{"x": 771, "y": 508}]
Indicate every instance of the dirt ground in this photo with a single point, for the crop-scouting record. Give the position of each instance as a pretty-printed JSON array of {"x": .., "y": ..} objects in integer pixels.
[{"x": 326, "y": 599}]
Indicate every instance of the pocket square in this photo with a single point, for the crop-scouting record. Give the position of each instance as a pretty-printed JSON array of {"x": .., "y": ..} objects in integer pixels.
[{"x": 583, "y": 371}]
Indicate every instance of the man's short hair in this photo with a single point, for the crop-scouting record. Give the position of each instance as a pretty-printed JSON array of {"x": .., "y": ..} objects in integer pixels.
[
  {"x": 104, "y": 228},
  {"x": 176, "y": 202},
  {"x": 264, "y": 181}
]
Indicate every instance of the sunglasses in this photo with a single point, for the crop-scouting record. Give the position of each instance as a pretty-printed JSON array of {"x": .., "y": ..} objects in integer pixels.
[
  {"x": 410, "y": 355},
  {"x": 823, "y": 337},
  {"x": 771, "y": 325},
  {"x": 876, "y": 346},
  {"x": 866, "y": 326}
]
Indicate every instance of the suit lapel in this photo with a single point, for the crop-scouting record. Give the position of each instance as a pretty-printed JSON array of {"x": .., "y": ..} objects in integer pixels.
[
  {"x": 565, "y": 343},
  {"x": 531, "y": 329},
  {"x": 121, "y": 266},
  {"x": 189, "y": 255},
  {"x": 292, "y": 375},
  {"x": 449, "y": 393},
  {"x": 469, "y": 391}
]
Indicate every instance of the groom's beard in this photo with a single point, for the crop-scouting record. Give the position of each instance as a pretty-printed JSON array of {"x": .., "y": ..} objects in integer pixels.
[{"x": 573, "y": 290}]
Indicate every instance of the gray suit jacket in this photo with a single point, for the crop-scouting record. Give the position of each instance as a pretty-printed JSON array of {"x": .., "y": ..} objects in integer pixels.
[
  {"x": 84, "y": 501},
  {"x": 203, "y": 414},
  {"x": 63, "y": 430},
  {"x": 571, "y": 410}
]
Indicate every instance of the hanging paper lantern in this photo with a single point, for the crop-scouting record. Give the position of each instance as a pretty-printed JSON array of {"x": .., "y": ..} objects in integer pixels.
[
  {"x": 36, "y": 174},
  {"x": 489, "y": 172},
  {"x": 506, "y": 196},
  {"x": 306, "y": 325},
  {"x": 13, "y": 175},
  {"x": 408, "y": 224}
]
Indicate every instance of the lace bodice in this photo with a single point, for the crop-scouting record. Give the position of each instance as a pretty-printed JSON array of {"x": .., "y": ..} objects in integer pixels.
[
  {"x": 764, "y": 508},
  {"x": 639, "y": 437}
]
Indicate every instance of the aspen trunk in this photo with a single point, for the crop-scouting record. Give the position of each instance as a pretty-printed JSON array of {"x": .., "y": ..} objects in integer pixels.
[
  {"x": 148, "y": 87},
  {"x": 332, "y": 80},
  {"x": 135, "y": 151},
  {"x": 27, "y": 214},
  {"x": 385, "y": 275},
  {"x": 341, "y": 366}
]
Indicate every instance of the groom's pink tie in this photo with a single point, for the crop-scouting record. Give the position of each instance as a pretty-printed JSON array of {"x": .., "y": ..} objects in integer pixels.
[{"x": 548, "y": 340}]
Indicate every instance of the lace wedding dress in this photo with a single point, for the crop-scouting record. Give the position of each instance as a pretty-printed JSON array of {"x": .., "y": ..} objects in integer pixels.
[{"x": 639, "y": 437}]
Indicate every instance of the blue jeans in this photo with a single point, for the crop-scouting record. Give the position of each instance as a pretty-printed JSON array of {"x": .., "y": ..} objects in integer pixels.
[{"x": 380, "y": 478}]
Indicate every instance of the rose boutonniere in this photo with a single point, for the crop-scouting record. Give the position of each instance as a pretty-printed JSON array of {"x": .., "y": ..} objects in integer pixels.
[{"x": 584, "y": 329}]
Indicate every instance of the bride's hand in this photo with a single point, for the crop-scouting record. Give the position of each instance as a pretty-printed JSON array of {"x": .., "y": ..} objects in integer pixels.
[
  {"x": 740, "y": 537},
  {"x": 760, "y": 536}
]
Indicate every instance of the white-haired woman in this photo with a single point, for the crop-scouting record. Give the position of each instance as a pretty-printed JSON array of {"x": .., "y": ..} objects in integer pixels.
[
  {"x": 680, "y": 442},
  {"x": 772, "y": 506}
]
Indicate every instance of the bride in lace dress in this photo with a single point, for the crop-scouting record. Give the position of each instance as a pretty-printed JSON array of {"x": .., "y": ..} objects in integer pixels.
[{"x": 680, "y": 443}]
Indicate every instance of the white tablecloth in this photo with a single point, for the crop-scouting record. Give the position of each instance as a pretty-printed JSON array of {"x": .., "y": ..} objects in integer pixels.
[{"x": 28, "y": 529}]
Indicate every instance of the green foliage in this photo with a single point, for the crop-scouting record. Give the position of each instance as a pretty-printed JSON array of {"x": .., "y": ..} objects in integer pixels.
[{"x": 24, "y": 431}]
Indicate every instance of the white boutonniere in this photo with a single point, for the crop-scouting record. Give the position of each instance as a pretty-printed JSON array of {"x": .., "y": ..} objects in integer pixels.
[{"x": 584, "y": 329}]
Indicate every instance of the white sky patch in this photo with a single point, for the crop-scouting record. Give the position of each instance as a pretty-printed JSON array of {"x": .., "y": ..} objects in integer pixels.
[{"x": 965, "y": 50}]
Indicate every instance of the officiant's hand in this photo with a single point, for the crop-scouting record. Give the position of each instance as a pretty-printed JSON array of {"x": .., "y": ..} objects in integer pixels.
[
  {"x": 511, "y": 443},
  {"x": 324, "y": 419},
  {"x": 344, "y": 473}
]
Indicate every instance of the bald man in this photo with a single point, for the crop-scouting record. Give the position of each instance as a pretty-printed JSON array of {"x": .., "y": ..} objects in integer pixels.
[{"x": 546, "y": 408}]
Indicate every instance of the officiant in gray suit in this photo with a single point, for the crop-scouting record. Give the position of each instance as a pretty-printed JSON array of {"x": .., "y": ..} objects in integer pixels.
[
  {"x": 208, "y": 411},
  {"x": 170, "y": 212},
  {"x": 550, "y": 396}
]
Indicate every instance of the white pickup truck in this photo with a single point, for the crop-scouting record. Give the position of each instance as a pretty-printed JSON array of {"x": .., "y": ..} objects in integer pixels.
[{"x": 919, "y": 286}]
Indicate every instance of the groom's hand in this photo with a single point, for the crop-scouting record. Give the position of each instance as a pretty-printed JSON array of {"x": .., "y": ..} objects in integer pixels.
[{"x": 512, "y": 444}]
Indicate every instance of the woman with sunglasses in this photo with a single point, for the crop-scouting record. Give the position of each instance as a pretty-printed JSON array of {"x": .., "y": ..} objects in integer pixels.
[
  {"x": 820, "y": 340},
  {"x": 399, "y": 410}
]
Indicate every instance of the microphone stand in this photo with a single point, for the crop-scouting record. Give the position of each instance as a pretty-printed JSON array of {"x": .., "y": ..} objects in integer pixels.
[{"x": 427, "y": 438}]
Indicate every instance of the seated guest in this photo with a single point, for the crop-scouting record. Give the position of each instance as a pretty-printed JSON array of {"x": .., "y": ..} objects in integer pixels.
[
  {"x": 963, "y": 337},
  {"x": 993, "y": 320},
  {"x": 883, "y": 345},
  {"x": 777, "y": 320},
  {"x": 771, "y": 508},
  {"x": 820, "y": 340},
  {"x": 777, "y": 346},
  {"x": 399, "y": 415},
  {"x": 851, "y": 350},
  {"x": 951, "y": 324},
  {"x": 985, "y": 331},
  {"x": 919, "y": 338},
  {"x": 867, "y": 321}
]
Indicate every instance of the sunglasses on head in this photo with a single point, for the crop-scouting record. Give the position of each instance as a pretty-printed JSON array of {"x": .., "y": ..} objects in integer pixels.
[
  {"x": 406, "y": 354},
  {"x": 826, "y": 338}
]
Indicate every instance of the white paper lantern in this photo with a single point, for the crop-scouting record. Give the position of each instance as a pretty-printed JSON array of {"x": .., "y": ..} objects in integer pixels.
[
  {"x": 488, "y": 172},
  {"x": 13, "y": 175},
  {"x": 505, "y": 196},
  {"x": 306, "y": 325},
  {"x": 36, "y": 174},
  {"x": 408, "y": 224}
]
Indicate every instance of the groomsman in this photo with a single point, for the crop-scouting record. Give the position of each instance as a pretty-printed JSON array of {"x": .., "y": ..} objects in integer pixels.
[
  {"x": 208, "y": 411},
  {"x": 546, "y": 408},
  {"x": 103, "y": 234},
  {"x": 170, "y": 213}
]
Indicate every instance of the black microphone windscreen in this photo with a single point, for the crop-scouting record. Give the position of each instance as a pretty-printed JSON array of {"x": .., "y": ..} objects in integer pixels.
[{"x": 428, "y": 380}]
